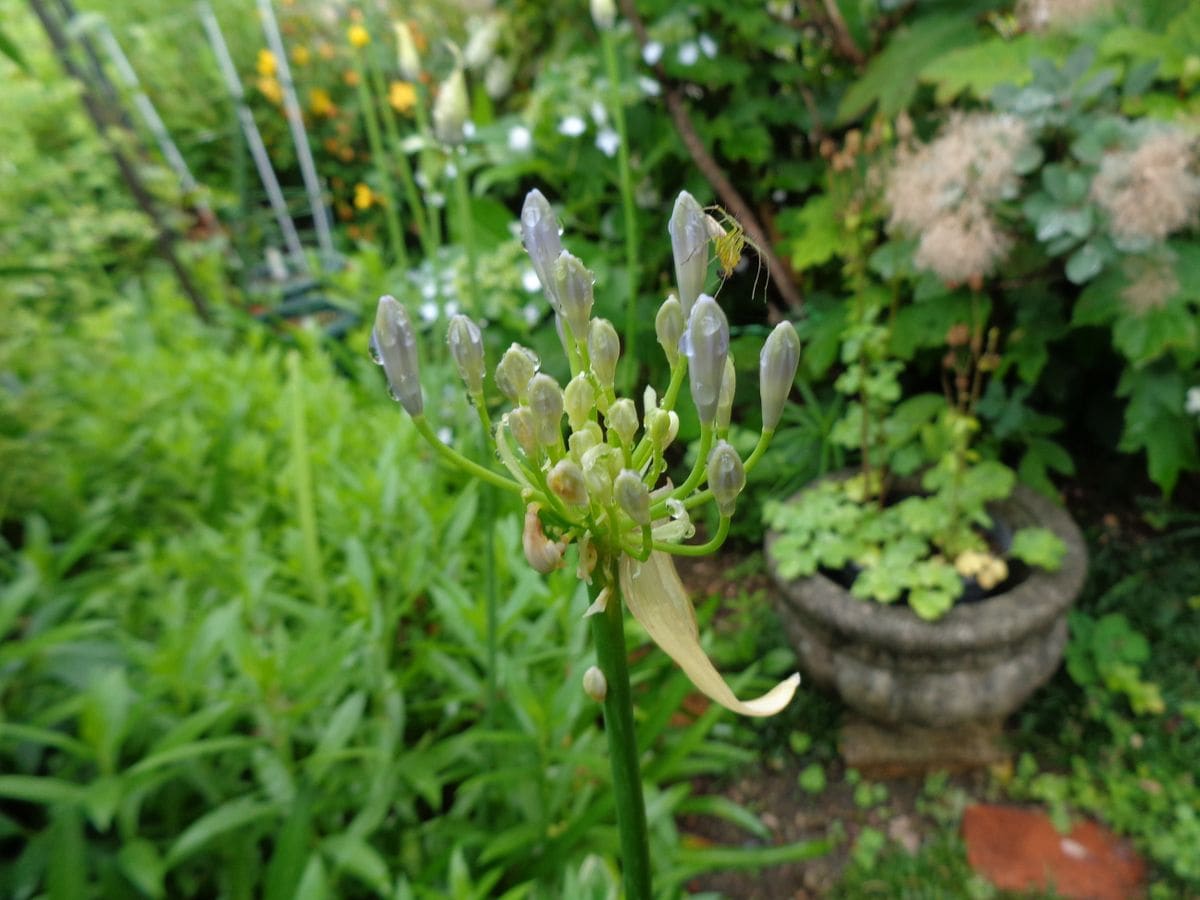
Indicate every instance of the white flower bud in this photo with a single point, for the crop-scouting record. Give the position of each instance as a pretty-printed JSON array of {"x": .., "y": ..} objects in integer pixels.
[
  {"x": 481, "y": 44},
  {"x": 725, "y": 399},
  {"x": 595, "y": 685},
  {"x": 540, "y": 236},
  {"x": 521, "y": 424},
  {"x": 466, "y": 349},
  {"x": 573, "y": 286},
  {"x": 584, "y": 439},
  {"x": 394, "y": 344},
  {"x": 406, "y": 53},
  {"x": 726, "y": 476},
  {"x": 705, "y": 343},
  {"x": 600, "y": 465},
  {"x": 604, "y": 14},
  {"x": 777, "y": 371},
  {"x": 566, "y": 480},
  {"x": 689, "y": 246},
  {"x": 668, "y": 325},
  {"x": 622, "y": 418},
  {"x": 543, "y": 554},
  {"x": 516, "y": 367},
  {"x": 450, "y": 109},
  {"x": 546, "y": 403},
  {"x": 604, "y": 348},
  {"x": 579, "y": 399},
  {"x": 633, "y": 496},
  {"x": 658, "y": 426}
]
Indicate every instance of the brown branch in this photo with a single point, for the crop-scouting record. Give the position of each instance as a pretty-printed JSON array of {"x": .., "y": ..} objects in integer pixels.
[
  {"x": 842, "y": 41},
  {"x": 731, "y": 199}
]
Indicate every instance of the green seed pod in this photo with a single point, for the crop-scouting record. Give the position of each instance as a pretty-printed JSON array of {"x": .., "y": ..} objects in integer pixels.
[
  {"x": 466, "y": 349},
  {"x": 706, "y": 345},
  {"x": 521, "y": 424},
  {"x": 540, "y": 235},
  {"x": 633, "y": 496},
  {"x": 566, "y": 480},
  {"x": 604, "y": 348},
  {"x": 622, "y": 418},
  {"x": 668, "y": 325},
  {"x": 573, "y": 284},
  {"x": 725, "y": 399},
  {"x": 580, "y": 401},
  {"x": 546, "y": 403},
  {"x": 394, "y": 344},
  {"x": 689, "y": 246},
  {"x": 726, "y": 476},
  {"x": 777, "y": 371},
  {"x": 517, "y": 366}
]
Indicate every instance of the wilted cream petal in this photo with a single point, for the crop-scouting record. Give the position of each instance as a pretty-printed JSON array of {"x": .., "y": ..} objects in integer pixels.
[{"x": 656, "y": 598}]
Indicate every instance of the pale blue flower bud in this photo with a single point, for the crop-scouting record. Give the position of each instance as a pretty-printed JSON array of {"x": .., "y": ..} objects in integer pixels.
[
  {"x": 725, "y": 399},
  {"x": 573, "y": 286},
  {"x": 622, "y": 418},
  {"x": 689, "y": 246},
  {"x": 579, "y": 399},
  {"x": 395, "y": 344},
  {"x": 705, "y": 343},
  {"x": 566, "y": 480},
  {"x": 777, "y": 365},
  {"x": 668, "y": 325},
  {"x": 604, "y": 348},
  {"x": 633, "y": 496},
  {"x": 541, "y": 237},
  {"x": 546, "y": 403},
  {"x": 466, "y": 349},
  {"x": 726, "y": 476},
  {"x": 516, "y": 367}
]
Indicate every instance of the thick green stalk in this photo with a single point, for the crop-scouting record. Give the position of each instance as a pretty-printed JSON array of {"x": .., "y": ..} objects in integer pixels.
[
  {"x": 608, "y": 631},
  {"x": 391, "y": 213},
  {"x": 616, "y": 109}
]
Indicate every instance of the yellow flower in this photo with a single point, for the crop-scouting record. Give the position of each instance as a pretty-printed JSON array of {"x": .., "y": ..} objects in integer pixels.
[
  {"x": 402, "y": 95},
  {"x": 301, "y": 55},
  {"x": 271, "y": 90},
  {"x": 363, "y": 198},
  {"x": 350, "y": 77},
  {"x": 358, "y": 36},
  {"x": 320, "y": 103},
  {"x": 266, "y": 63}
]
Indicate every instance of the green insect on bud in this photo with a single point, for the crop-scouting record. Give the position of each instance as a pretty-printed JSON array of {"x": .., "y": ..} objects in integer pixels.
[
  {"x": 668, "y": 325},
  {"x": 604, "y": 348},
  {"x": 689, "y": 246},
  {"x": 579, "y": 399},
  {"x": 726, "y": 476},
  {"x": 706, "y": 345},
  {"x": 622, "y": 419},
  {"x": 546, "y": 403},
  {"x": 394, "y": 345},
  {"x": 725, "y": 398},
  {"x": 777, "y": 371},
  {"x": 566, "y": 480},
  {"x": 633, "y": 496},
  {"x": 466, "y": 349},
  {"x": 517, "y": 366},
  {"x": 573, "y": 285},
  {"x": 540, "y": 235}
]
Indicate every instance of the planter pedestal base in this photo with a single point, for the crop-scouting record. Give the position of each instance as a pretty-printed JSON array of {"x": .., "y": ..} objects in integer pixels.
[{"x": 894, "y": 751}]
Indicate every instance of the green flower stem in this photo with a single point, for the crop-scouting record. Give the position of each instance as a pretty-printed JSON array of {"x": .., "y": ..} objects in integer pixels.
[
  {"x": 455, "y": 458},
  {"x": 625, "y": 171},
  {"x": 391, "y": 213},
  {"x": 406, "y": 176},
  {"x": 710, "y": 546},
  {"x": 421, "y": 112},
  {"x": 608, "y": 631},
  {"x": 764, "y": 440},
  {"x": 645, "y": 446},
  {"x": 697, "y": 474},
  {"x": 466, "y": 229}
]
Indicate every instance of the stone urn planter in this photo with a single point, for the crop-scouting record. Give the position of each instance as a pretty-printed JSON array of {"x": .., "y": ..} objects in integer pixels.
[{"x": 977, "y": 664}]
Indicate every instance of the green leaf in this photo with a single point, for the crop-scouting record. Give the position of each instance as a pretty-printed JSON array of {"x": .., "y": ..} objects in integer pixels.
[
  {"x": 1155, "y": 421},
  {"x": 290, "y": 853},
  {"x": 1085, "y": 264},
  {"x": 229, "y": 816},
  {"x": 66, "y": 869},
  {"x": 9, "y": 48},
  {"x": 812, "y": 779},
  {"x": 814, "y": 234},
  {"x": 44, "y": 790},
  {"x": 978, "y": 68},
  {"x": 353, "y": 855},
  {"x": 342, "y": 724},
  {"x": 1039, "y": 547},
  {"x": 140, "y": 862}
]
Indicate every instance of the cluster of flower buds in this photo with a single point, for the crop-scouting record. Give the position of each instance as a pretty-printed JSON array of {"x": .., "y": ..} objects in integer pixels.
[{"x": 601, "y": 482}]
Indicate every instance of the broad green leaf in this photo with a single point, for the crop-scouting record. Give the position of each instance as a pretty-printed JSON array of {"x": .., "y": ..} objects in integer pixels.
[
  {"x": 1039, "y": 547},
  {"x": 978, "y": 68},
  {"x": 41, "y": 789},
  {"x": 357, "y": 858},
  {"x": 814, "y": 234},
  {"x": 140, "y": 862}
]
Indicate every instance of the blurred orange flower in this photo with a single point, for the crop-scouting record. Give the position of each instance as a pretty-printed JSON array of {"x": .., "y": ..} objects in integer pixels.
[
  {"x": 402, "y": 96},
  {"x": 358, "y": 36},
  {"x": 350, "y": 77},
  {"x": 301, "y": 55},
  {"x": 266, "y": 63},
  {"x": 320, "y": 103}
]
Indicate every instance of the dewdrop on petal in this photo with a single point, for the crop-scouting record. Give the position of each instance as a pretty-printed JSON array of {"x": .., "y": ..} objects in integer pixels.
[
  {"x": 546, "y": 403},
  {"x": 777, "y": 365},
  {"x": 689, "y": 246},
  {"x": 633, "y": 496},
  {"x": 726, "y": 476},
  {"x": 725, "y": 398},
  {"x": 514, "y": 371},
  {"x": 566, "y": 480},
  {"x": 396, "y": 345},
  {"x": 466, "y": 349},
  {"x": 604, "y": 348},
  {"x": 573, "y": 287},
  {"x": 450, "y": 109},
  {"x": 668, "y": 326},
  {"x": 706, "y": 344},
  {"x": 540, "y": 236}
]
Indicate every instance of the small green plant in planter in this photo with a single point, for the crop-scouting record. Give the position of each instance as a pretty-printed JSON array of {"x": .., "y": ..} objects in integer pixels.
[{"x": 927, "y": 539}]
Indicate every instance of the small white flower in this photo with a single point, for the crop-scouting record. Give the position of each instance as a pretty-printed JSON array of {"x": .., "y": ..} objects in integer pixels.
[
  {"x": 649, "y": 86},
  {"x": 468, "y": 129},
  {"x": 437, "y": 199},
  {"x": 652, "y": 52},
  {"x": 1192, "y": 403},
  {"x": 451, "y": 309},
  {"x": 688, "y": 54},
  {"x": 599, "y": 113},
  {"x": 422, "y": 180},
  {"x": 608, "y": 141},
  {"x": 778, "y": 195},
  {"x": 445, "y": 435},
  {"x": 572, "y": 126},
  {"x": 531, "y": 311},
  {"x": 428, "y": 290},
  {"x": 529, "y": 281},
  {"x": 520, "y": 139},
  {"x": 708, "y": 46},
  {"x": 428, "y": 311},
  {"x": 451, "y": 170}
]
